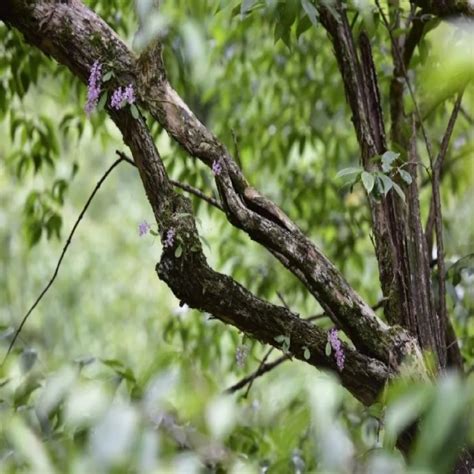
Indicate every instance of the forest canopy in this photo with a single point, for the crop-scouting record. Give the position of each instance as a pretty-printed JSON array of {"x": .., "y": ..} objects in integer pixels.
[{"x": 236, "y": 236}]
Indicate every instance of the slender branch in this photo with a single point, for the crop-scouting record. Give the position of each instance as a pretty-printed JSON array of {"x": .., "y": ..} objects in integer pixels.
[
  {"x": 198, "y": 193},
  {"x": 63, "y": 253},
  {"x": 436, "y": 206},
  {"x": 437, "y": 169},
  {"x": 262, "y": 363},
  {"x": 408, "y": 82},
  {"x": 262, "y": 369},
  {"x": 185, "y": 187},
  {"x": 467, "y": 116},
  {"x": 414, "y": 36}
]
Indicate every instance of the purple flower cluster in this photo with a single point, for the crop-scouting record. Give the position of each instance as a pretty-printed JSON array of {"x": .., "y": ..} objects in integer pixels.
[
  {"x": 241, "y": 355},
  {"x": 170, "y": 235},
  {"x": 143, "y": 228},
  {"x": 121, "y": 97},
  {"x": 93, "y": 88},
  {"x": 217, "y": 167},
  {"x": 337, "y": 348}
]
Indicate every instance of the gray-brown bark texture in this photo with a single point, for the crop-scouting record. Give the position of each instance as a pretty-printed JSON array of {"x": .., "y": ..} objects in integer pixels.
[{"x": 76, "y": 37}]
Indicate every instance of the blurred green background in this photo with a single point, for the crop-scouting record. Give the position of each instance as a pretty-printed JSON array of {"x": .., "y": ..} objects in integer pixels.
[{"x": 110, "y": 374}]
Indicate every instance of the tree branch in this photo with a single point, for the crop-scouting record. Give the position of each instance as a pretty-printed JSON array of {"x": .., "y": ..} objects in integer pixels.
[
  {"x": 444, "y": 8},
  {"x": 198, "y": 193},
  {"x": 437, "y": 170},
  {"x": 401, "y": 63},
  {"x": 185, "y": 187},
  {"x": 262, "y": 369},
  {"x": 61, "y": 257},
  {"x": 435, "y": 210}
]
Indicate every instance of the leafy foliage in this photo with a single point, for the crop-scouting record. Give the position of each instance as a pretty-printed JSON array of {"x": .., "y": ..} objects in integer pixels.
[{"x": 149, "y": 374}]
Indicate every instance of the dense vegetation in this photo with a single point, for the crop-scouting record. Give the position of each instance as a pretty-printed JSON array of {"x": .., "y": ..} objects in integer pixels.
[{"x": 312, "y": 306}]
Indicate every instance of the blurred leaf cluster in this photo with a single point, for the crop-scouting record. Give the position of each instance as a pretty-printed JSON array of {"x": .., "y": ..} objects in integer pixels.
[{"x": 98, "y": 415}]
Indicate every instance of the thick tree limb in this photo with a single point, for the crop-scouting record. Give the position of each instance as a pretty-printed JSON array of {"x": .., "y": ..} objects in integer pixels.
[
  {"x": 265, "y": 367},
  {"x": 216, "y": 293},
  {"x": 361, "y": 88},
  {"x": 444, "y": 8},
  {"x": 393, "y": 243}
]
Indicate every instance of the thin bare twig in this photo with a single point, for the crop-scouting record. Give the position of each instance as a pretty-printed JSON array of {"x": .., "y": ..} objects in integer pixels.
[
  {"x": 185, "y": 187},
  {"x": 437, "y": 169},
  {"x": 262, "y": 364},
  {"x": 407, "y": 80},
  {"x": 63, "y": 253},
  {"x": 262, "y": 369},
  {"x": 466, "y": 115},
  {"x": 438, "y": 219},
  {"x": 236, "y": 149},
  {"x": 197, "y": 192}
]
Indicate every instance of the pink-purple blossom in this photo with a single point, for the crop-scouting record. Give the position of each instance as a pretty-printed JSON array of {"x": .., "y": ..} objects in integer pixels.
[
  {"x": 170, "y": 235},
  {"x": 93, "y": 88},
  {"x": 143, "y": 228},
  {"x": 217, "y": 167},
  {"x": 336, "y": 345},
  {"x": 121, "y": 97}
]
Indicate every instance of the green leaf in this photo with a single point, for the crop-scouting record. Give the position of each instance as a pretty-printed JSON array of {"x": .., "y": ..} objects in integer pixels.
[
  {"x": 348, "y": 171},
  {"x": 120, "y": 369},
  {"x": 368, "y": 181},
  {"x": 134, "y": 111},
  {"x": 384, "y": 183},
  {"x": 246, "y": 6},
  {"x": 102, "y": 101},
  {"x": 311, "y": 11},
  {"x": 179, "y": 251},
  {"x": 387, "y": 159},
  {"x": 328, "y": 349},
  {"x": 399, "y": 191},
  {"x": 303, "y": 25},
  {"x": 107, "y": 76},
  {"x": 406, "y": 176},
  {"x": 306, "y": 353}
]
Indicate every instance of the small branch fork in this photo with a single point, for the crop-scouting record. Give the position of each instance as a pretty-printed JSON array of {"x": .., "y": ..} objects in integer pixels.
[
  {"x": 265, "y": 366},
  {"x": 185, "y": 187}
]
